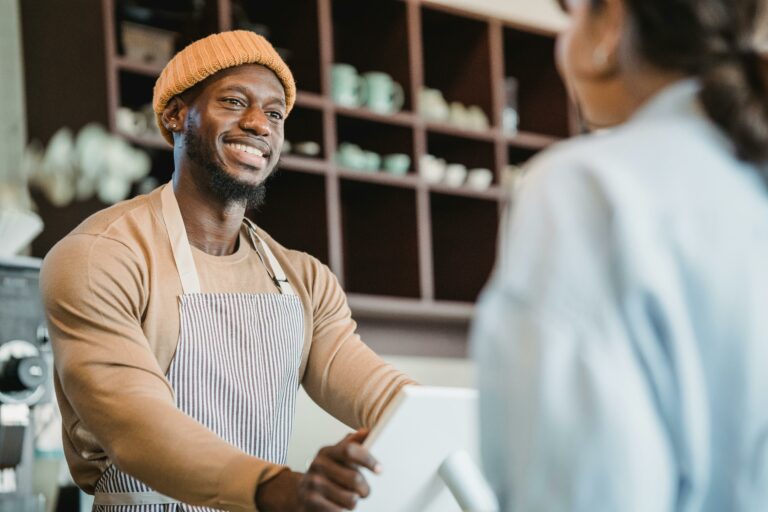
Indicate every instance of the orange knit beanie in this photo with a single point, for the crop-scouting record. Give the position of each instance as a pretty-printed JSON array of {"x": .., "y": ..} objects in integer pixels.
[{"x": 211, "y": 54}]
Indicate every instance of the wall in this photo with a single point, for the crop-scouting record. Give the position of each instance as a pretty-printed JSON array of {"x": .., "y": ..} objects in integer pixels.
[
  {"x": 12, "y": 121},
  {"x": 543, "y": 14}
]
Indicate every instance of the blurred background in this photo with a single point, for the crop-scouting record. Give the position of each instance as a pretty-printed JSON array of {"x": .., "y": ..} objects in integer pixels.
[{"x": 412, "y": 121}]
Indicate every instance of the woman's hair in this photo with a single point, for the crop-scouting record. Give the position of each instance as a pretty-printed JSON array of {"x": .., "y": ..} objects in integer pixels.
[{"x": 716, "y": 41}]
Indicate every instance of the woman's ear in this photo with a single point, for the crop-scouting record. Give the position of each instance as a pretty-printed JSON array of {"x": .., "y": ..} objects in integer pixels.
[
  {"x": 174, "y": 114},
  {"x": 611, "y": 30}
]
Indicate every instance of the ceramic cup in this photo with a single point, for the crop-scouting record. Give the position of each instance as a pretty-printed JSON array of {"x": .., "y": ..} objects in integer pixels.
[
  {"x": 432, "y": 105},
  {"x": 455, "y": 174},
  {"x": 431, "y": 168},
  {"x": 480, "y": 178},
  {"x": 383, "y": 94},
  {"x": 130, "y": 122},
  {"x": 372, "y": 161},
  {"x": 397, "y": 163},
  {"x": 458, "y": 115},
  {"x": 476, "y": 118},
  {"x": 351, "y": 156},
  {"x": 347, "y": 87},
  {"x": 307, "y": 148}
]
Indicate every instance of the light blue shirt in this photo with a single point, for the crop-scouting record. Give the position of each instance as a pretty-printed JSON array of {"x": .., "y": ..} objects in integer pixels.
[{"x": 622, "y": 343}]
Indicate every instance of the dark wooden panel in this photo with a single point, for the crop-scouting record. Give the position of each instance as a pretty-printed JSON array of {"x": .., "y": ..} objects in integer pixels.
[
  {"x": 542, "y": 98},
  {"x": 64, "y": 65},
  {"x": 292, "y": 29},
  {"x": 294, "y": 213},
  {"x": 372, "y": 35},
  {"x": 457, "y": 58},
  {"x": 379, "y": 239},
  {"x": 464, "y": 245}
]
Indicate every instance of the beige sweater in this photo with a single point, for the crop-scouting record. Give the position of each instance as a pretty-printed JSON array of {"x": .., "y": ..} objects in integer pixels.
[{"x": 110, "y": 290}]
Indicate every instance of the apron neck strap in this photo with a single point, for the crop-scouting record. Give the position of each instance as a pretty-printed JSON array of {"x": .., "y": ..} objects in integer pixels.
[
  {"x": 268, "y": 259},
  {"x": 182, "y": 252}
]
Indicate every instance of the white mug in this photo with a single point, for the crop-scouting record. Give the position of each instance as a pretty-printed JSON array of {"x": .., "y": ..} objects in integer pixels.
[
  {"x": 480, "y": 178},
  {"x": 455, "y": 174},
  {"x": 431, "y": 168}
]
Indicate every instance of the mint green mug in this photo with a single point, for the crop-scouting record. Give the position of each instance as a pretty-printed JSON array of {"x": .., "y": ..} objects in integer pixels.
[
  {"x": 383, "y": 94},
  {"x": 347, "y": 86}
]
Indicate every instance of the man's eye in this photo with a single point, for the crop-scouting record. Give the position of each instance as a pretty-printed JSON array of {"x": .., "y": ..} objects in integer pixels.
[
  {"x": 234, "y": 101},
  {"x": 276, "y": 115}
]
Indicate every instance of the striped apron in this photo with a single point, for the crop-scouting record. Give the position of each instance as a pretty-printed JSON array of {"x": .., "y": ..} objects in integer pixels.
[{"x": 236, "y": 367}]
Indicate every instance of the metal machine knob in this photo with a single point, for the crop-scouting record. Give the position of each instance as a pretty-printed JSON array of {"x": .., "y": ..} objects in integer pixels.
[{"x": 22, "y": 374}]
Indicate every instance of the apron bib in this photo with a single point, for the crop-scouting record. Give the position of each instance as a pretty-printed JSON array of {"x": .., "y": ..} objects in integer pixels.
[{"x": 236, "y": 367}]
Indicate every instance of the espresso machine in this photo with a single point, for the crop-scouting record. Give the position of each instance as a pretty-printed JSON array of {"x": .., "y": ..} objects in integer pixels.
[{"x": 25, "y": 379}]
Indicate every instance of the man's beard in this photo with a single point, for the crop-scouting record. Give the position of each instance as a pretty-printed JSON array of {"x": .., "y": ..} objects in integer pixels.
[{"x": 221, "y": 184}]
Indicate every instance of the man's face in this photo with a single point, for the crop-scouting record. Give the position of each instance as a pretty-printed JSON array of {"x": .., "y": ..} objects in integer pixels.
[{"x": 234, "y": 130}]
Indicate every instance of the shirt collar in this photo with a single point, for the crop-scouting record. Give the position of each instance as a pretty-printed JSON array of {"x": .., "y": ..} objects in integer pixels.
[{"x": 674, "y": 99}]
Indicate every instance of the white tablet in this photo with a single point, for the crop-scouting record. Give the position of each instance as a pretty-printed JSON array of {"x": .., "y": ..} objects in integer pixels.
[{"x": 427, "y": 437}]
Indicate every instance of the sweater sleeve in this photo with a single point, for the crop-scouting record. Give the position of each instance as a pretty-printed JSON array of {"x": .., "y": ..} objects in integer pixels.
[
  {"x": 94, "y": 290},
  {"x": 344, "y": 376}
]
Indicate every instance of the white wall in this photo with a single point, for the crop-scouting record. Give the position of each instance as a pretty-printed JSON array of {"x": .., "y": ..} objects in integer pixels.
[
  {"x": 12, "y": 121},
  {"x": 314, "y": 428},
  {"x": 544, "y": 14}
]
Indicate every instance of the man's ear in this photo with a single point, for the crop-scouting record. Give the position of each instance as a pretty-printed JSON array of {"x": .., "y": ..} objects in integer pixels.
[{"x": 174, "y": 115}]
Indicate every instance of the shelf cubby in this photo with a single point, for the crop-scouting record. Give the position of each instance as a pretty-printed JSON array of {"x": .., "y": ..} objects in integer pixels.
[
  {"x": 372, "y": 35},
  {"x": 305, "y": 125},
  {"x": 135, "y": 90},
  {"x": 456, "y": 150},
  {"x": 189, "y": 19},
  {"x": 374, "y": 136},
  {"x": 380, "y": 240},
  {"x": 303, "y": 229},
  {"x": 292, "y": 28},
  {"x": 463, "y": 245},
  {"x": 518, "y": 156},
  {"x": 457, "y": 58},
  {"x": 542, "y": 99}
]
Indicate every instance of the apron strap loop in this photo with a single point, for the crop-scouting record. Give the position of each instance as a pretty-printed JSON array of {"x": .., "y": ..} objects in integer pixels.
[{"x": 268, "y": 258}]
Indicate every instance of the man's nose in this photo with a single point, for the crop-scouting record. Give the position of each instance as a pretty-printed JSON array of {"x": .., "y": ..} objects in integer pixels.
[{"x": 254, "y": 120}]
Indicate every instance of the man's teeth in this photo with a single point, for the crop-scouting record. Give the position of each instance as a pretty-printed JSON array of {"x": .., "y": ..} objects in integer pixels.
[{"x": 247, "y": 149}]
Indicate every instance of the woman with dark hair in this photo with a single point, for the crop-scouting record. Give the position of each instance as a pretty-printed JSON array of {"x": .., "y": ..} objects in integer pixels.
[{"x": 622, "y": 343}]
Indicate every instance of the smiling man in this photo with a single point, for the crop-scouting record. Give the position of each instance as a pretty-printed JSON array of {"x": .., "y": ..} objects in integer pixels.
[{"x": 181, "y": 331}]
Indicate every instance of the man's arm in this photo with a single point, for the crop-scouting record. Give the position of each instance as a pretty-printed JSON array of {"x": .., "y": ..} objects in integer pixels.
[
  {"x": 343, "y": 375},
  {"x": 94, "y": 290},
  {"x": 352, "y": 383}
]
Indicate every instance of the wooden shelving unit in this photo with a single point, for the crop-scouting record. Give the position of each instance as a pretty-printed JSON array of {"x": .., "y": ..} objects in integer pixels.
[{"x": 402, "y": 248}]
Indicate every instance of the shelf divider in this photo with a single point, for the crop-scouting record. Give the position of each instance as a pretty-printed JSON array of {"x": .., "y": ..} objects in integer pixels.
[
  {"x": 456, "y": 131},
  {"x": 373, "y": 306},
  {"x": 403, "y": 118},
  {"x": 332, "y": 186},
  {"x": 123, "y": 63},
  {"x": 304, "y": 164}
]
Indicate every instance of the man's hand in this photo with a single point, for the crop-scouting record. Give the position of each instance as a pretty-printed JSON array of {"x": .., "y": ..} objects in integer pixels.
[{"x": 332, "y": 483}]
